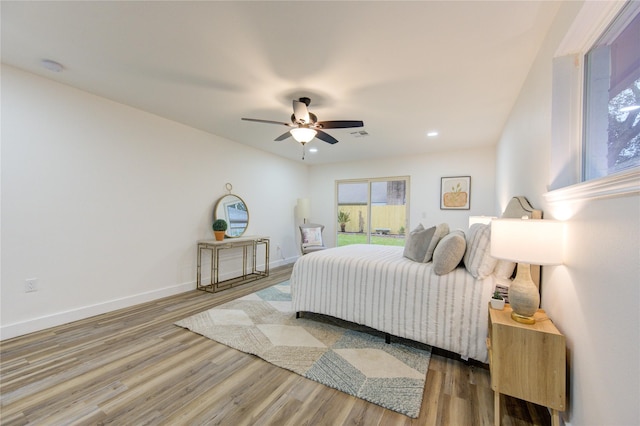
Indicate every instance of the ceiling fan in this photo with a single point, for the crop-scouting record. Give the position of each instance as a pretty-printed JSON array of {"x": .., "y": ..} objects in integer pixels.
[{"x": 305, "y": 125}]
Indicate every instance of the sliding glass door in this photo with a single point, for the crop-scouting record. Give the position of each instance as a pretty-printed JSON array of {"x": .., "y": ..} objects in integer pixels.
[{"x": 372, "y": 211}]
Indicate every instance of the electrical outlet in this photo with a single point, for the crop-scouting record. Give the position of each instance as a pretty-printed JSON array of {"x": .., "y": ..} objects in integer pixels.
[{"x": 30, "y": 285}]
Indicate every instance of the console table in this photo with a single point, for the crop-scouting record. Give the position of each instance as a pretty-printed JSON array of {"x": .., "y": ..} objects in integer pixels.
[{"x": 249, "y": 272}]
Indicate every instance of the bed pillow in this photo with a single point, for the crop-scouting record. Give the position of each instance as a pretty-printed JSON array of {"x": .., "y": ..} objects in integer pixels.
[
  {"x": 477, "y": 258},
  {"x": 417, "y": 242},
  {"x": 449, "y": 252},
  {"x": 311, "y": 236},
  {"x": 440, "y": 232},
  {"x": 504, "y": 269}
]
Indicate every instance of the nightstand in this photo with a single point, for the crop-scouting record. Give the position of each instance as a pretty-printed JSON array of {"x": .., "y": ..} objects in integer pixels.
[{"x": 527, "y": 361}]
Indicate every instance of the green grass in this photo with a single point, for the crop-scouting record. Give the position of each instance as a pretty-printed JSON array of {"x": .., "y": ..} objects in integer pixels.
[{"x": 347, "y": 239}]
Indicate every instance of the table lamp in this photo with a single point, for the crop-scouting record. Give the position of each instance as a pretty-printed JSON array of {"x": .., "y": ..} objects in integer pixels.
[{"x": 527, "y": 242}]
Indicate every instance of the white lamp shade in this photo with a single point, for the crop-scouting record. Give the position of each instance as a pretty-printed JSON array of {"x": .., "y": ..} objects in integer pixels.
[
  {"x": 480, "y": 219},
  {"x": 303, "y": 208},
  {"x": 303, "y": 134},
  {"x": 532, "y": 241}
]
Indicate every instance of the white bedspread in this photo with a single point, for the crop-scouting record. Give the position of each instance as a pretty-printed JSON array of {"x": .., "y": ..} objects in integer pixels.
[{"x": 376, "y": 286}]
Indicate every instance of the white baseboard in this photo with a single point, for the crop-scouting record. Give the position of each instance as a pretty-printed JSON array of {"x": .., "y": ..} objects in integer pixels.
[
  {"x": 283, "y": 261},
  {"x": 8, "y": 331}
]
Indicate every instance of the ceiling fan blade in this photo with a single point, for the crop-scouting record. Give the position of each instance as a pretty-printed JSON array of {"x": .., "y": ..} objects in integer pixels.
[
  {"x": 283, "y": 136},
  {"x": 301, "y": 112},
  {"x": 268, "y": 121},
  {"x": 326, "y": 137},
  {"x": 339, "y": 124}
]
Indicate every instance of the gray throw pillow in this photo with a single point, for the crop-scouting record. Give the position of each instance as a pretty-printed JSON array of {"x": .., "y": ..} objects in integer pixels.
[
  {"x": 440, "y": 232},
  {"x": 449, "y": 252},
  {"x": 417, "y": 242}
]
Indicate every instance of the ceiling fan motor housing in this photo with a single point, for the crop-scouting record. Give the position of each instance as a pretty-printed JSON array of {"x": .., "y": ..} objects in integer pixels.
[{"x": 312, "y": 119}]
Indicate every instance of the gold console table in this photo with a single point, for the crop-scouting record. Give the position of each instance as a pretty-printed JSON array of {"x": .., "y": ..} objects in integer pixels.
[{"x": 247, "y": 244}]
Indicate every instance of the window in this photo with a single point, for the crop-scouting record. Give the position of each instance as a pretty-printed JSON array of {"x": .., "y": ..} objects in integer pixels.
[
  {"x": 372, "y": 211},
  {"x": 571, "y": 151},
  {"x": 612, "y": 99}
]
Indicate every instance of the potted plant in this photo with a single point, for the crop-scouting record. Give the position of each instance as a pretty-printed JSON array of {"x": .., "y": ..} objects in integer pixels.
[
  {"x": 219, "y": 228},
  {"x": 497, "y": 301},
  {"x": 343, "y": 218}
]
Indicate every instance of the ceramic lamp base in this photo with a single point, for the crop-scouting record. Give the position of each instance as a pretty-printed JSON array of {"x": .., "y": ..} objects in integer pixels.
[{"x": 524, "y": 296}]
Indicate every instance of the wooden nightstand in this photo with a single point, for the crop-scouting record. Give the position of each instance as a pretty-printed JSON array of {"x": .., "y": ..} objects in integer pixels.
[{"x": 527, "y": 361}]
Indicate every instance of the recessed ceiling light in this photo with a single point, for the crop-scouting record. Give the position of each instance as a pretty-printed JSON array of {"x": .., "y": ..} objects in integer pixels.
[
  {"x": 51, "y": 65},
  {"x": 313, "y": 150},
  {"x": 432, "y": 134}
]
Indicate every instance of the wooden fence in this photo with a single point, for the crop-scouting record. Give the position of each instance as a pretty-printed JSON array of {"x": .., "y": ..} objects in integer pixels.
[{"x": 391, "y": 219}]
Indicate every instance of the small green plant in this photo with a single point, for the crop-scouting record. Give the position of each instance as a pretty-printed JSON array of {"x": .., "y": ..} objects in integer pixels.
[
  {"x": 343, "y": 218},
  {"x": 497, "y": 295},
  {"x": 401, "y": 231},
  {"x": 220, "y": 225}
]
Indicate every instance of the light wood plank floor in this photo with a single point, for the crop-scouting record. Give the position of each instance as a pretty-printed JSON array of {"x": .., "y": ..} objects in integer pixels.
[{"x": 134, "y": 367}]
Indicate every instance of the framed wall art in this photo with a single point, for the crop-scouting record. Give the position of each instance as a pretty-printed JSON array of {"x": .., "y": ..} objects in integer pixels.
[{"x": 455, "y": 193}]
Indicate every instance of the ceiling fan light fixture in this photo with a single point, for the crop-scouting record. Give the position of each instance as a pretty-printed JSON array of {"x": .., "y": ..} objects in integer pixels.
[{"x": 303, "y": 134}]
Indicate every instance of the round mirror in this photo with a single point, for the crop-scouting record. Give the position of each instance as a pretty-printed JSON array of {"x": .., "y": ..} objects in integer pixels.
[{"x": 234, "y": 211}]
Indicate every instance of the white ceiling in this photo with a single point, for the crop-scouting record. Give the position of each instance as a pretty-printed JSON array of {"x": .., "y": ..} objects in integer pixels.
[{"x": 404, "y": 68}]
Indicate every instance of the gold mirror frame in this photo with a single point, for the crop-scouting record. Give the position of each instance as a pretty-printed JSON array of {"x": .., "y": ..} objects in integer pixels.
[{"x": 235, "y": 212}]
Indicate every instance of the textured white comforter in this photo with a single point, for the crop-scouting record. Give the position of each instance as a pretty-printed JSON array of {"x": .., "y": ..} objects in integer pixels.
[{"x": 376, "y": 286}]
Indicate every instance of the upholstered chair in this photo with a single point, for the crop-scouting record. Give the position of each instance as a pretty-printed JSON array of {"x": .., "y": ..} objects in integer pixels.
[{"x": 311, "y": 238}]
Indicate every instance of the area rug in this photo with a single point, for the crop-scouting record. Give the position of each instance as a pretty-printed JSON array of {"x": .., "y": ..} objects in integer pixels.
[{"x": 342, "y": 355}]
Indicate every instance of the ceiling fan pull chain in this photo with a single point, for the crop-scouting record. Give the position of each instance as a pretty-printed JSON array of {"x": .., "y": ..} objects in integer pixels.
[{"x": 303, "y": 152}]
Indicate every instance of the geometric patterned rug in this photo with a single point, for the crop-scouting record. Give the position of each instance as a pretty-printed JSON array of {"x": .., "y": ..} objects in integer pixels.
[{"x": 345, "y": 356}]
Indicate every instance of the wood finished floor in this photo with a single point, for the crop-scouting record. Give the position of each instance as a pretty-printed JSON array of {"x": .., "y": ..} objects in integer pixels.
[{"x": 134, "y": 367}]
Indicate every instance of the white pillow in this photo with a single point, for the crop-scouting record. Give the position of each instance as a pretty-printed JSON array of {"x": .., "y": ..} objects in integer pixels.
[
  {"x": 477, "y": 258},
  {"x": 449, "y": 252},
  {"x": 417, "y": 242},
  {"x": 504, "y": 269},
  {"x": 311, "y": 236},
  {"x": 440, "y": 232}
]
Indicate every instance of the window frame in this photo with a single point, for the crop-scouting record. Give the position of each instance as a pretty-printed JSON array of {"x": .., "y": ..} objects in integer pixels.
[
  {"x": 568, "y": 95},
  {"x": 596, "y": 60}
]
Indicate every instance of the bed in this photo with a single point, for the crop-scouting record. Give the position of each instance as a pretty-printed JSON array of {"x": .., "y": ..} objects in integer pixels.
[{"x": 379, "y": 287}]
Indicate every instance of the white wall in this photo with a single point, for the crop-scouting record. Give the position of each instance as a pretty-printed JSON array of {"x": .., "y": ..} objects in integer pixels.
[
  {"x": 104, "y": 203},
  {"x": 425, "y": 172},
  {"x": 594, "y": 299}
]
